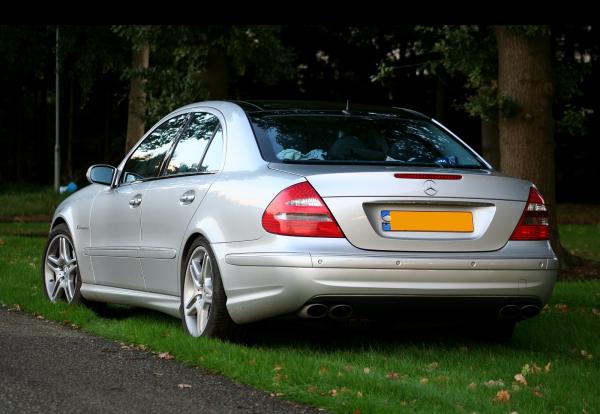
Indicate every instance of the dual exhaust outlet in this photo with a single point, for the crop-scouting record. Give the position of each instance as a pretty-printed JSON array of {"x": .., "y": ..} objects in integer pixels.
[
  {"x": 516, "y": 311},
  {"x": 343, "y": 311},
  {"x": 320, "y": 310}
]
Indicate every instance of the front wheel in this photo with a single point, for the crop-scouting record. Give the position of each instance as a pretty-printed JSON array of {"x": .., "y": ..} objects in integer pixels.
[
  {"x": 203, "y": 311},
  {"x": 60, "y": 274}
]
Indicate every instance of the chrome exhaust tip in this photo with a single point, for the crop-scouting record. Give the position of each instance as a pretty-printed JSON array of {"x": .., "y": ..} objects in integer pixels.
[
  {"x": 529, "y": 311},
  {"x": 509, "y": 312},
  {"x": 314, "y": 311},
  {"x": 340, "y": 311}
]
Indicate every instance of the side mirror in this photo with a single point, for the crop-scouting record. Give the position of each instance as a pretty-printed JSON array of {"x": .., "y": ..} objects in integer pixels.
[{"x": 101, "y": 174}]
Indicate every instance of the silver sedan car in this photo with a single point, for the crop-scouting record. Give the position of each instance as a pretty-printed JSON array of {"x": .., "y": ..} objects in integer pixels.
[{"x": 226, "y": 213}]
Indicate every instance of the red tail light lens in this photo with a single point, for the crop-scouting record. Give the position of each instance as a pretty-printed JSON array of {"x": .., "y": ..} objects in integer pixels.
[
  {"x": 300, "y": 211},
  {"x": 534, "y": 224}
]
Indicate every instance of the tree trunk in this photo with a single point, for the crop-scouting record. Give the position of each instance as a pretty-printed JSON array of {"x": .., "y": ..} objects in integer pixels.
[
  {"x": 490, "y": 141},
  {"x": 70, "y": 131},
  {"x": 217, "y": 73},
  {"x": 440, "y": 99},
  {"x": 526, "y": 77},
  {"x": 140, "y": 59}
]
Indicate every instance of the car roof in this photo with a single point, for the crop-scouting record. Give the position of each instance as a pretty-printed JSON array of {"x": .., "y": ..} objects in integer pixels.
[{"x": 260, "y": 107}]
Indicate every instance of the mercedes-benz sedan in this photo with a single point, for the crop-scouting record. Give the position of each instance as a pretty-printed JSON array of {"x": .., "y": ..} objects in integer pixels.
[{"x": 226, "y": 213}]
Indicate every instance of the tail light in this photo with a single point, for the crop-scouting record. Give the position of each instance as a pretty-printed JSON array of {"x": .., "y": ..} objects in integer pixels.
[
  {"x": 534, "y": 224},
  {"x": 300, "y": 211}
]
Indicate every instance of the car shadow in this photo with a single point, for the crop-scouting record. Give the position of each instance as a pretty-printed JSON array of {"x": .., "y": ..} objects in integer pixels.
[{"x": 327, "y": 334}]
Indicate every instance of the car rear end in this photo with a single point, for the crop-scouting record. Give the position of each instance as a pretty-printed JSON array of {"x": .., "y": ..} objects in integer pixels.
[{"x": 390, "y": 228}]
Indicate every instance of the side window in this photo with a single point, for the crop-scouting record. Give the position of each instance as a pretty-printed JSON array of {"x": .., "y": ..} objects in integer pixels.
[
  {"x": 146, "y": 160},
  {"x": 192, "y": 144},
  {"x": 214, "y": 156}
]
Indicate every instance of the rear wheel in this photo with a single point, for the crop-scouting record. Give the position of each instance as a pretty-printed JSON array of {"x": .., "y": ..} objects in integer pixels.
[
  {"x": 60, "y": 274},
  {"x": 203, "y": 311}
]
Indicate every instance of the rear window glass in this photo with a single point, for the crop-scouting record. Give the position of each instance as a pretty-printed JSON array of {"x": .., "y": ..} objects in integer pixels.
[{"x": 344, "y": 139}]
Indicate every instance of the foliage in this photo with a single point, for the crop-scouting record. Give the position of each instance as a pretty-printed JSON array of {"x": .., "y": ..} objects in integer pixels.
[
  {"x": 179, "y": 58},
  {"x": 469, "y": 52}
]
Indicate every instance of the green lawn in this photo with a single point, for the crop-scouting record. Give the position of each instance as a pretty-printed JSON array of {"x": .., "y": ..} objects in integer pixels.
[
  {"x": 364, "y": 368},
  {"x": 581, "y": 240},
  {"x": 28, "y": 201}
]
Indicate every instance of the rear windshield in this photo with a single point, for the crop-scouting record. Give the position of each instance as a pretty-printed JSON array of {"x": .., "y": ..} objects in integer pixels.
[{"x": 354, "y": 139}]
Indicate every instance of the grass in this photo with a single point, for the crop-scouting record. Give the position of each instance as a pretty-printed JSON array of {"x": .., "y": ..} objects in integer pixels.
[
  {"x": 28, "y": 201},
  {"x": 581, "y": 240},
  {"x": 363, "y": 369}
]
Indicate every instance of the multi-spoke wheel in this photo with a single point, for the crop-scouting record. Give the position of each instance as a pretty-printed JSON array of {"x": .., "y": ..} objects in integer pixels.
[
  {"x": 60, "y": 275},
  {"x": 203, "y": 310}
]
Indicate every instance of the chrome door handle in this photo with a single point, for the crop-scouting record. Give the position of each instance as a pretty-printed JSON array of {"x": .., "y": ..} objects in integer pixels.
[
  {"x": 187, "y": 197},
  {"x": 135, "y": 201}
]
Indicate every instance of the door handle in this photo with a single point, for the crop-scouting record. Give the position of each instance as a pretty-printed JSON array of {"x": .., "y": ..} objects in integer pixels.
[
  {"x": 187, "y": 197},
  {"x": 135, "y": 201}
]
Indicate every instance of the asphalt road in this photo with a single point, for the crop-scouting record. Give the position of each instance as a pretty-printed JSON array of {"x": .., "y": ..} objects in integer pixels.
[{"x": 46, "y": 367}]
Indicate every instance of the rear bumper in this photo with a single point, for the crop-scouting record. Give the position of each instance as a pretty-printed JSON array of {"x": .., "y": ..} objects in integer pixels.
[{"x": 265, "y": 284}]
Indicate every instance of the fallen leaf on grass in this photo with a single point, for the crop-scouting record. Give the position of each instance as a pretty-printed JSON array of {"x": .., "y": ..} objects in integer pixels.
[
  {"x": 432, "y": 366},
  {"x": 596, "y": 311},
  {"x": 472, "y": 386},
  {"x": 165, "y": 355},
  {"x": 357, "y": 411},
  {"x": 359, "y": 394},
  {"x": 16, "y": 308},
  {"x": 494, "y": 383},
  {"x": 366, "y": 370},
  {"x": 424, "y": 380},
  {"x": 322, "y": 370},
  {"x": 392, "y": 375},
  {"x": 520, "y": 378},
  {"x": 184, "y": 386},
  {"x": 333, "y": 392},
  {"x": 40, "y": 317},
  {"x": 561, "y": 307},
  {"x": 277, "y": 367},
  {"x": 548, "y": 366},
  {"x": 586, "y": 354},
  {"x": 538, "y": 394},
  {"x": 502, "y": 396}
]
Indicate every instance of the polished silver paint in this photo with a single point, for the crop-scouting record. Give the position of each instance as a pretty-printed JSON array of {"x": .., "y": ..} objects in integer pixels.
[{"x": 130, "y": 240}]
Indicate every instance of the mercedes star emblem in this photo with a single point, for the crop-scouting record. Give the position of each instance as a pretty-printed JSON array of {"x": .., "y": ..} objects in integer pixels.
[{"x": 430, "y": 187}]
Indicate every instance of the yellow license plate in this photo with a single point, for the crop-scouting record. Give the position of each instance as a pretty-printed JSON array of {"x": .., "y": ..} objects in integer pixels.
[{"x": 450, "y": 221}]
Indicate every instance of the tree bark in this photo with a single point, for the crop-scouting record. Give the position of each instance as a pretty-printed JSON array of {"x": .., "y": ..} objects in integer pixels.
[
  {"x": 490, "y": 141},
  {"x": 217, "y": 73},
  {"x": 70, "y": 130},
  {"x": 525, "y": 75},
  {"x": 440, "y": 99},
  {"x": 140, "y": 59}
]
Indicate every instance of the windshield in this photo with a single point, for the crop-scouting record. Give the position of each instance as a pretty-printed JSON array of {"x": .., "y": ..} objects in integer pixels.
[{"x": 358, "y": 139}]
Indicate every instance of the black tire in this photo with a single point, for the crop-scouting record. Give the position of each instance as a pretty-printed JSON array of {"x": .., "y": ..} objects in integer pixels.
[
  {"x": 60, "y": 230},
  {"x": 219, "y": 325}
]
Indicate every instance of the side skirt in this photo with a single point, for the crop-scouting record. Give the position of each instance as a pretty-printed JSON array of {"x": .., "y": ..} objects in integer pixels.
[{"x": 163, "y": 303}]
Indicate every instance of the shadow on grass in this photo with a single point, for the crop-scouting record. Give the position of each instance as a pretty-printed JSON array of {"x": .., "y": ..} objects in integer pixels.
[{"x": 330, "y": 335}]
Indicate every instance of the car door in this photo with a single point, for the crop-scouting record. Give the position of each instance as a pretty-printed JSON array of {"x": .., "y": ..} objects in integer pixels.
[
  {"x": 116, "y": 211},
  {"x": 171, "y": 201}
]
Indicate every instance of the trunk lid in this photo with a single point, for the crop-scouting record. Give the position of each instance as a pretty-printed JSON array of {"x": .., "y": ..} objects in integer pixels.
[{"x": 378, "y": 211}]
